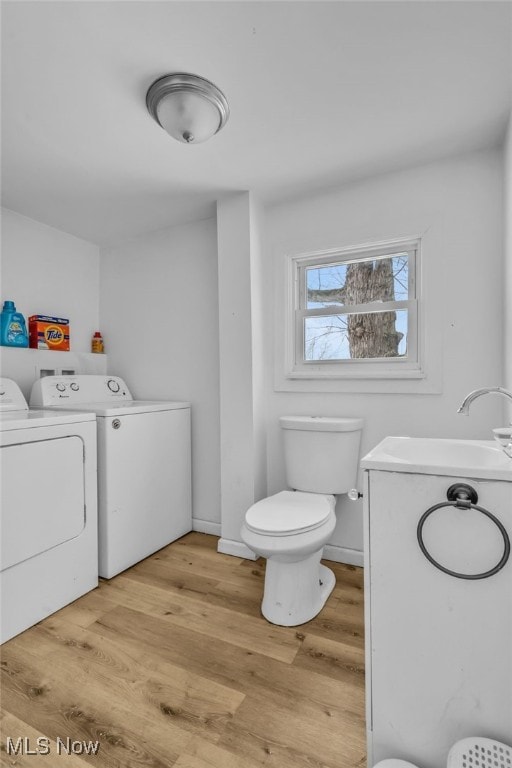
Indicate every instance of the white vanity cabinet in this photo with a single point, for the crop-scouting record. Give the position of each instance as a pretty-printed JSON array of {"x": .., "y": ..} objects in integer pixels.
[{"x": 438, "y": 647}]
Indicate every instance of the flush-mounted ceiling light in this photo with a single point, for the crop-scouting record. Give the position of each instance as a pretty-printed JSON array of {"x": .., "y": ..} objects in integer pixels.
[{"x": 190, "y": 108}]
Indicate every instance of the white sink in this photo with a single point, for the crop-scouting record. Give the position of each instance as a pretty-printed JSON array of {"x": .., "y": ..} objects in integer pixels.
[{"x": 467, "y": 458}]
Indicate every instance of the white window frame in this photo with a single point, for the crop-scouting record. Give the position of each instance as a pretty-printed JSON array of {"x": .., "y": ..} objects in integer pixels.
[{"x": 409, "y": 367}]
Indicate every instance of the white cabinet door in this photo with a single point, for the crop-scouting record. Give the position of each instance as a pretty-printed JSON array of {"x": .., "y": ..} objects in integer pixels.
[{"x": 441, "y": 654}]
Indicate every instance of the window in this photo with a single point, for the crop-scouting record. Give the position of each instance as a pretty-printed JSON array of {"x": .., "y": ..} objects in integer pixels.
[{"x": 355, "y": 312}]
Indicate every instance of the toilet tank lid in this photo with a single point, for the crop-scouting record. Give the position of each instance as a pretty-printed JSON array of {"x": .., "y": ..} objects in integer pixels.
[{"x": 322, "y": 423}]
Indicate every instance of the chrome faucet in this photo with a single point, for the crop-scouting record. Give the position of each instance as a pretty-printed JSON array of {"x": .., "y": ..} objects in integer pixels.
[{"x": 464, "y": 408}]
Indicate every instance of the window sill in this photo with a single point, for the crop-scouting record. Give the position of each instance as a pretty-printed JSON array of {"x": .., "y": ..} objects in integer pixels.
[
  {"x": 414, "y": 381},
  {"x": 319, "y": 375}
]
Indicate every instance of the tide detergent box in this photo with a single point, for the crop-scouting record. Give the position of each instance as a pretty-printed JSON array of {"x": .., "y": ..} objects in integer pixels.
[{"x": 46, "y": 332}]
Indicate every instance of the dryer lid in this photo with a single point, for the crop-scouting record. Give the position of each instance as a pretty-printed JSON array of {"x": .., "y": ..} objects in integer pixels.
[
  {"x": 41, "y": 418},
  {"x": 289, "y": 512}
]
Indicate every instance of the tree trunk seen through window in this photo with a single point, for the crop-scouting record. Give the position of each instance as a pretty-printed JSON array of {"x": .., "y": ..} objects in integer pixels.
[{"x": 372, "y": 334}]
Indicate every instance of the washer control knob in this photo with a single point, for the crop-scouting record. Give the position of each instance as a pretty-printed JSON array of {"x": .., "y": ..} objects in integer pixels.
[
  {"x": 74, "y": 386},
  {"x": 61, "y": 387},
  {"x": 113, "y": 385}
]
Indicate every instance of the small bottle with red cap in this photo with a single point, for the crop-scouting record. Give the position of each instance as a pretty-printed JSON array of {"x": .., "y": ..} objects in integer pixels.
[{"x": 97, "y": 343}]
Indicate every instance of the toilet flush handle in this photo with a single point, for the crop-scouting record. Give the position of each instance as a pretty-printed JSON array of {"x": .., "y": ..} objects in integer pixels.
[{"x": 354, "y": 494}]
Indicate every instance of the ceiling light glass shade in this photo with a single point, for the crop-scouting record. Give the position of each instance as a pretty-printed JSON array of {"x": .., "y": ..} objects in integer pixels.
[{"x": 190, "y": 108}]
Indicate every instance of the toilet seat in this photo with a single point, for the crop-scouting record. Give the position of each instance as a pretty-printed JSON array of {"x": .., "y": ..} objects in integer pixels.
[{"x": 289, "y": 512}]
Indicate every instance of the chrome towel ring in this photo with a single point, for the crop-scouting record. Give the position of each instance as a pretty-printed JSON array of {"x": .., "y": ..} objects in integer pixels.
[{"x": 463, "y": 495}]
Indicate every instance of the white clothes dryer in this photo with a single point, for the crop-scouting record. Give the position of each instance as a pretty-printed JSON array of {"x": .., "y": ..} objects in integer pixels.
[
  {"x": 144, "y": 465},
  {"x": 49, "y": 541}
]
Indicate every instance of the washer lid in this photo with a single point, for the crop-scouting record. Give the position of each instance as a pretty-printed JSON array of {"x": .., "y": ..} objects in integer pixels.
[
  {"x": 124, "y": 408},
  {"x": 289, "y": 512},
  {"x": 321, "y": 423}
]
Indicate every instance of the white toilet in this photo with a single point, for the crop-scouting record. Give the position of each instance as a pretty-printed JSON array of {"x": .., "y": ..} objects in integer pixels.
[{"x": 291, "y": 528}]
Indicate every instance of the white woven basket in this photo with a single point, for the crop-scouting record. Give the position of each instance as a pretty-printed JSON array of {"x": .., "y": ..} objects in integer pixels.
[{"x": 478, "y": 752}]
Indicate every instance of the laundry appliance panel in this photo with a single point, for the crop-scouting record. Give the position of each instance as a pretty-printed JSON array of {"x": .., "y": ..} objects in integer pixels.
[
  {"x": 49, "y": 541},
  {"x": 144, "y": 465},
  {"x": 144, "y": 485}
]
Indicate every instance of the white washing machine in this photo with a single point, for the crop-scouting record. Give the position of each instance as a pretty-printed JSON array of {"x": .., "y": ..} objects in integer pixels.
[
  {"x": 144, "y": 465},
  {"x": 49, "y": 533}
]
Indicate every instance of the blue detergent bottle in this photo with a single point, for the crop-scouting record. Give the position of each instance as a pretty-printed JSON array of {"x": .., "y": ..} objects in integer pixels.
[{"x": 13, "y": 329}]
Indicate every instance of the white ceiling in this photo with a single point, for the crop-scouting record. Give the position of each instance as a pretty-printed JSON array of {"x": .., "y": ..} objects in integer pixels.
[{"x": 320, "y": 93}]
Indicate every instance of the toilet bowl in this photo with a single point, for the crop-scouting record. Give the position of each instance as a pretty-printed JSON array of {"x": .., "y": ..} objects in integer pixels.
[
  {"x": 291, "y": 528},
  {"x": 394, "y": 763}
]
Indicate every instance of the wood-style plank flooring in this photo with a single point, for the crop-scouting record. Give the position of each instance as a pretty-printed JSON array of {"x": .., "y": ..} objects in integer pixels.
[{"x": 171, "y": 664}]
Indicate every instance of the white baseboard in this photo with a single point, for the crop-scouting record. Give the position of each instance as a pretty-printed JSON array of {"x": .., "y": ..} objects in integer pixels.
[
  {"x": 343, "y": 555},
  {"x": 331, "y": 552},
  {"x": 206, "y": 526},
  {"x": 236, "y": 548},
  {"x": 239, "y": 549}
]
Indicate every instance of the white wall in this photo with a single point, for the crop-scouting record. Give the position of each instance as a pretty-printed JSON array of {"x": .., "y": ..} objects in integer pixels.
[
  {"x": 48, "y": 272},
  {"x": 159, "y": 315},
  {"x": 457, "y": 204},
  {"x": 507, "y": 282},
  {"x": 259, "y": 340},
  {"x": 242, "y": 394}
]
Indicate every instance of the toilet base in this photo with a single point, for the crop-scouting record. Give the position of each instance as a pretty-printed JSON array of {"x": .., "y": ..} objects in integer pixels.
[{"x": 295, "y": 592}]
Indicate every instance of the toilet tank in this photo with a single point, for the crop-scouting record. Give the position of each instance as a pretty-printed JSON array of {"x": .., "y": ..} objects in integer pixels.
[{"x": 321, "y": 453}]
